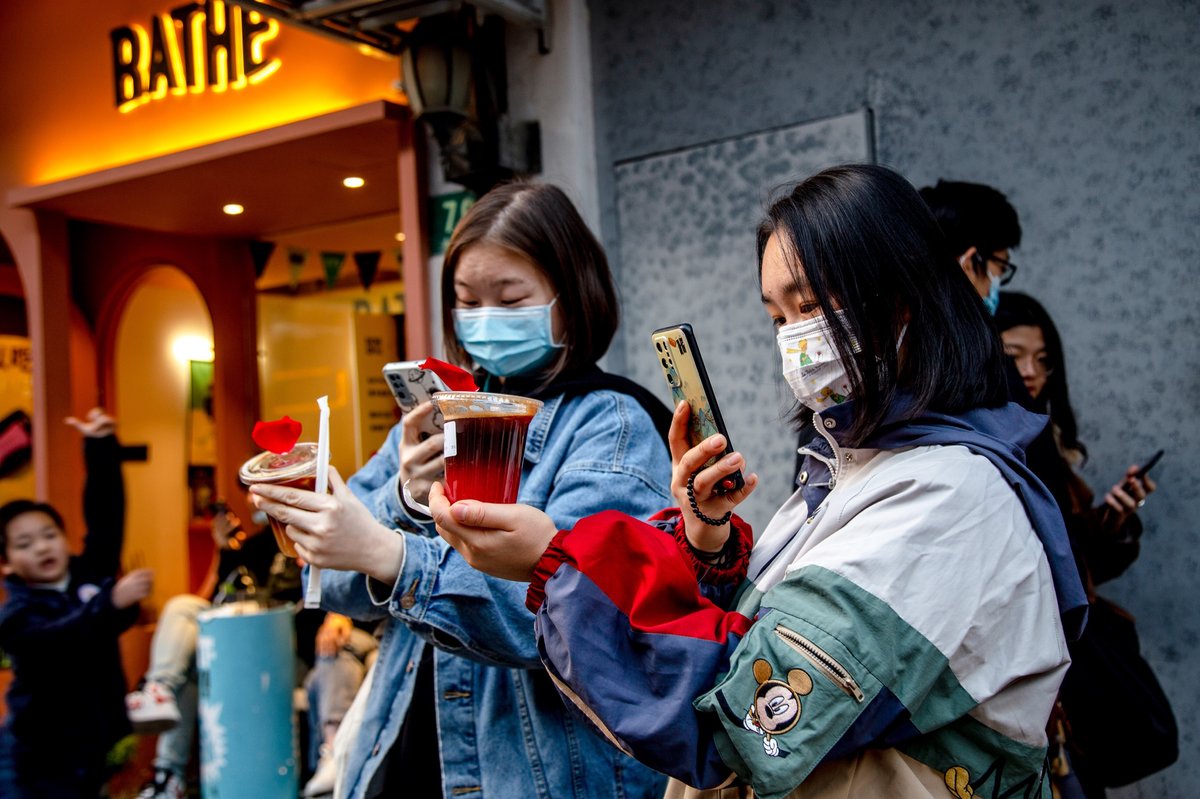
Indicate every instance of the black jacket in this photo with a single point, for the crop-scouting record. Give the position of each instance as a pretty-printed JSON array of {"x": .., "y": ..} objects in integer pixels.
[{"x": 66, "y": 703}]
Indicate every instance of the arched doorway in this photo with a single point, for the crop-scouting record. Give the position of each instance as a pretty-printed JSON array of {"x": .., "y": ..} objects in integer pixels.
[
  {"x": 16, "y": 385},
  {"x": 162, "y": 377}
]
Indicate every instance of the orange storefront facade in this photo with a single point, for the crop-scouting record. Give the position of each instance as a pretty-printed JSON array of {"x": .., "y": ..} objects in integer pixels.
[{"x": 128, "y": 127}]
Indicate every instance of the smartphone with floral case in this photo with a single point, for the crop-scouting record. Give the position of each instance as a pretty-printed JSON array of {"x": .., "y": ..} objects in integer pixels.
[
  {"x": 683, "y": 368},
  {"x": 411, "y": 385}
]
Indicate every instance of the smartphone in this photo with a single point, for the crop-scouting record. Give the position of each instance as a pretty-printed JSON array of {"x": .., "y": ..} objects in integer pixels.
[
  {"x": 411, "y": 385},
  {"x": 1150, "y": 464},
  {"x": 683, "y": 368}
]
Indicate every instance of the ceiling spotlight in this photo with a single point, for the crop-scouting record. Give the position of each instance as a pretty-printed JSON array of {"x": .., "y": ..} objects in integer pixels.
[
  {"x": 400, "y": 237},
  {"x": 353, "y": 182},
  {"x": 233, "y": 209}
]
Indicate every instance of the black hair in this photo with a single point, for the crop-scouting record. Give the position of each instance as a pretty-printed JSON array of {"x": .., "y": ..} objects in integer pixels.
[
  {"x": 973, "y": 215},
  {"x": 12, "y": 510},
  {"x": 538, "y": 222},
  {"x": 1016, "y": 310},
  {"x": 861, "y": 238}
]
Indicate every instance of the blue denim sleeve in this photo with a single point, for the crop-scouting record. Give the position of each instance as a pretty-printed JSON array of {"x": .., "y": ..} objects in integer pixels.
[
  {"x": 617, "y": 461},
  {"x": 377, "y": 485},
  {"x": 614, "y": 460}
]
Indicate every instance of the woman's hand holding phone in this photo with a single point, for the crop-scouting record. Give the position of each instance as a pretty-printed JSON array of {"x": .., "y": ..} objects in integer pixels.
[
  {"x": 1129, "y": 494},
  {"x": 687, "y": 460},
  {"x": 420, "y": 453}
]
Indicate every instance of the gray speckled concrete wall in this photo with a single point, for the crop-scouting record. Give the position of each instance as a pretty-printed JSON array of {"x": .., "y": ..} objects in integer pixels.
[
  {"x": 687, "y": 229},
  {"x": 1087, "y": 114}
]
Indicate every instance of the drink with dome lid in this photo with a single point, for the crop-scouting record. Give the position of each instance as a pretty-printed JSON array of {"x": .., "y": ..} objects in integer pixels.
[{"x": 484, "y": 447}]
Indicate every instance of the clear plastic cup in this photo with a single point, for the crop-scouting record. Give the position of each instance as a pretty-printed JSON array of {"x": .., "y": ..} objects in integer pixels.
[
  {"x": 484, "y": 443},
  {"x": 296, "y": 467}
]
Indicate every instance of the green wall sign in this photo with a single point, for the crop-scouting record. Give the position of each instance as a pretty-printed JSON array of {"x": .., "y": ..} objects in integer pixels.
[{"x": 445, "y": 211}]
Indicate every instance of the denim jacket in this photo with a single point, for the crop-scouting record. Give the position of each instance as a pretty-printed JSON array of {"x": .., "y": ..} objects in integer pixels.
[{"x": 503, "y": 731}]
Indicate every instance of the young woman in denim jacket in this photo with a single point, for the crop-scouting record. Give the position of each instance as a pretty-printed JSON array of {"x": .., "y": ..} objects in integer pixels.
[{"x": 526, "y": 296}]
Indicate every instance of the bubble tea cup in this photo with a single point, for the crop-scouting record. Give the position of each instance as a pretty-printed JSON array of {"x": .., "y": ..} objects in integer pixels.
[
  {"x": 484, "y": 448},
  {"x": 297, "y": 468}
]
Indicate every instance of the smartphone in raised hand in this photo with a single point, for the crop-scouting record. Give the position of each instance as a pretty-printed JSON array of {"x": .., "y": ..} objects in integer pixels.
[
  {"x": 410, "y": 386},
  {"x": 1149, "y": 464},
  {"x": 683, "y": 368}
]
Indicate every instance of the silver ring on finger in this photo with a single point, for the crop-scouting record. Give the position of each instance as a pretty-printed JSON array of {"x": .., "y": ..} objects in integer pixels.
[{"x": 1141, "y": 502}]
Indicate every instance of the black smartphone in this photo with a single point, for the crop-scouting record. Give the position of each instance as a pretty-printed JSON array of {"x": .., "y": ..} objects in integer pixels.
[
  {"x": 1150, "y": 464},
  {"x": 679, "y": 356}
]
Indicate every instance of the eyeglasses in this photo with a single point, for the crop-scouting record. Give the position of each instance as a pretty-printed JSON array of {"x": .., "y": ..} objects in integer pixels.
[{"x": 1008, "y": 267}]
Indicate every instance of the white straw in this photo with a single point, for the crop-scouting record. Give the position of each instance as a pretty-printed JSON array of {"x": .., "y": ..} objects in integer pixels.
[{"x": 312, "y": 596}]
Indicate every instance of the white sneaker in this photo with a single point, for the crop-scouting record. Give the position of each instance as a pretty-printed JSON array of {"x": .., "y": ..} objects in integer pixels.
[
  {"x": 325, "y": 777},
  {"x": 165, "y": 785},
  {"x": 152, "y": 709}
]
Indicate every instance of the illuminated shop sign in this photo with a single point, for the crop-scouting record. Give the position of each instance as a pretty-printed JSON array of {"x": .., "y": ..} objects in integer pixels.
[{"x": 202, "y": 46}]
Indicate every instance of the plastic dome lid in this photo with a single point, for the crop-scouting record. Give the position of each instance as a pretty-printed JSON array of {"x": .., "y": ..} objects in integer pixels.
[{"x": 268, "y": 467}]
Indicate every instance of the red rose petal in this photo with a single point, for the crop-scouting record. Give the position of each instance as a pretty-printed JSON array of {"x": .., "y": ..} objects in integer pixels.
[
  {"x": 455, "y": 378},
  {"x": 278, "y": 436}
]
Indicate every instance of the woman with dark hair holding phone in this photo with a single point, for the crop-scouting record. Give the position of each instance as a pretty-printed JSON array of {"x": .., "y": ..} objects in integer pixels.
[
  {"x": 899, "y": 628},
  {"x": 459, "y": 704},
  {"x": 1109, "y": 532},
  {"x": 1089, "y": 739}
]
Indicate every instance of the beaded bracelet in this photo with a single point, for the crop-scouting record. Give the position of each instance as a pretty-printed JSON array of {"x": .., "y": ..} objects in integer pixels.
[{"x": 710, "y": 521}]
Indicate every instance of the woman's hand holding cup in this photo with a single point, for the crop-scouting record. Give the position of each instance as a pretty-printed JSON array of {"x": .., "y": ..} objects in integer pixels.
[
  {"x": 334, "y": 530},
  {"x": 505, "y": 541},
  {"x": 687, "y": 461}
]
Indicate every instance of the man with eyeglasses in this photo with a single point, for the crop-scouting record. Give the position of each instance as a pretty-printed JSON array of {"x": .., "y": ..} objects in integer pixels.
[{"x": 982, "y": 227}]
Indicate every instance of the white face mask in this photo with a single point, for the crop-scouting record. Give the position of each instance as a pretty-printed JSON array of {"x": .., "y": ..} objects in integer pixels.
[{"x": 811, "y": 364}]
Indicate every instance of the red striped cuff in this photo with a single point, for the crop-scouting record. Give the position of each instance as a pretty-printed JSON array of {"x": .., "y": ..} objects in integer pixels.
[{"x": 551, "y": 559}]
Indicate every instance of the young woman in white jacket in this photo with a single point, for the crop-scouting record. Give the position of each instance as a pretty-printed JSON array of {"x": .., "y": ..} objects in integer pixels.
[{"x": 899, "y": 628}]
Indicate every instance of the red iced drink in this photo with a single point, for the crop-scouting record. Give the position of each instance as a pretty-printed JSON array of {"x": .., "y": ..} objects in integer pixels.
[
  {"x": 297, "y": 467},
  {"x": 484, "y": 447}
]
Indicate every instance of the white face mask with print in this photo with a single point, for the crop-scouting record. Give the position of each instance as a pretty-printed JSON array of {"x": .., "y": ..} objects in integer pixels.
[{"x": 811, "y": 364}]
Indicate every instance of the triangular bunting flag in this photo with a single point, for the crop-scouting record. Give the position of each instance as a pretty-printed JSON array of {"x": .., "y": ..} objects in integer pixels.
[
  {"x": 367, "y": 264},
  {"x": 296, "y": 259},
  {"x": 260, "y": 253},
  {"x": 333, "y": 266}
]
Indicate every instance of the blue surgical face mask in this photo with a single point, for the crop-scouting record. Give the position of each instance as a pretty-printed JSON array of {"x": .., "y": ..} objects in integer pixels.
[
  {"x": 507, "y": 341},
  {"x": 992, "y": 300}
]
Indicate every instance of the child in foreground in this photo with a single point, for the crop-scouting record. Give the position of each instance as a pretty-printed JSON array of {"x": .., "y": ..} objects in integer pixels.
[{"x": 60, "y": 624}]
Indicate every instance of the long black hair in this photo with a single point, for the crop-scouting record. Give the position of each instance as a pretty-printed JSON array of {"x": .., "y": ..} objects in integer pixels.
[
  {"x": 866, "y": 243},
  {"x": 1016, "y": 310}
]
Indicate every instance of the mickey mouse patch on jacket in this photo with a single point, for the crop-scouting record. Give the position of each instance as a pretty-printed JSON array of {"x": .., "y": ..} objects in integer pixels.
[{"x": 776, "y": 707}]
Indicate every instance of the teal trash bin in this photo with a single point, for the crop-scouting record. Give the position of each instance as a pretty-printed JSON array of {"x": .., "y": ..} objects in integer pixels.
[{"x": 246, "y": 663}]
